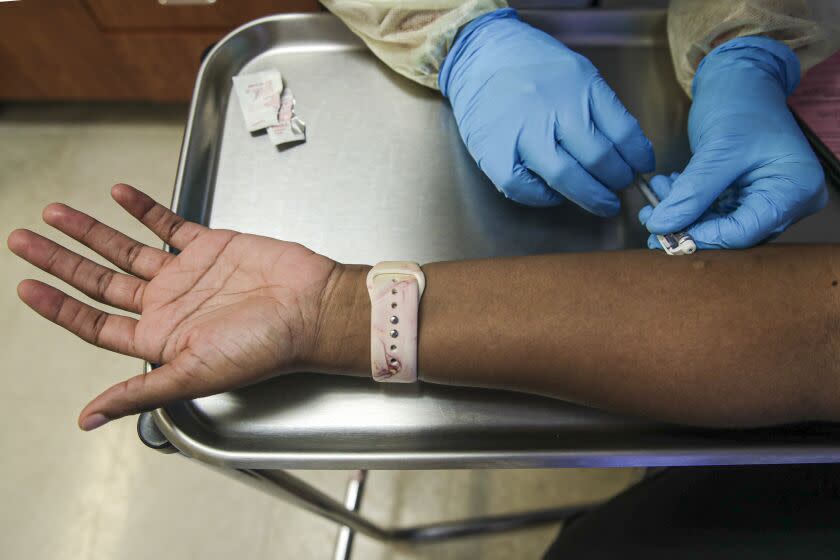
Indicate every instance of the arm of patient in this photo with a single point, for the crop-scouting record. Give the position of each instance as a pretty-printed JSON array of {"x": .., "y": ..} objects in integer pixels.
[
  {"x": 721, "y": 338},
  {"x": 736, "y": 338}
]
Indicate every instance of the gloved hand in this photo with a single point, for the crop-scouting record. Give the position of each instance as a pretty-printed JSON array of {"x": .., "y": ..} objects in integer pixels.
[
  {"x": 746, "y": 145},
  {"x": 538, "y": 118}
]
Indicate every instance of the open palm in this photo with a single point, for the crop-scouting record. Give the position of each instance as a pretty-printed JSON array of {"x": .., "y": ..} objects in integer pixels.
[{"x": 228, "y": 310}]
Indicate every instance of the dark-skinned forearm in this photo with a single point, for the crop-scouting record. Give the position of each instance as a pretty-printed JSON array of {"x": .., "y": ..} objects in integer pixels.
[{"x": 718, "y": 338}]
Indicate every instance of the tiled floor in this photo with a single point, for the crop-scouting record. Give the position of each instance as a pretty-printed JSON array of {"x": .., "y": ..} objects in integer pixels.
[{"x": 69, "y": 495}]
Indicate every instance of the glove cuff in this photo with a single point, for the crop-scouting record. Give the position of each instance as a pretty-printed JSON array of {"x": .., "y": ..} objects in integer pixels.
[
  {"x": 462, "y": 41},
  {"x": 771, "y": 56}
]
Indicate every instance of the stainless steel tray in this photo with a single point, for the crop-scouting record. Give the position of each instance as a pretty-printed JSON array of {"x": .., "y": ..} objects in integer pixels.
[{"x": 384, "y": 175}]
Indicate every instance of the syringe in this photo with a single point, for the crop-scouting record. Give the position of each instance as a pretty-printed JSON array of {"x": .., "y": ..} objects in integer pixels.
[{"x": 679, "y": 243}]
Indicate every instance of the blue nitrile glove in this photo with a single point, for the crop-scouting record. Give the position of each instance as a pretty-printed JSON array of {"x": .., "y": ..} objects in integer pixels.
[
  {"x": 538, "y": 118},
  {"x": 747, "y": 146},
  {"x": 662, "y": 185}
]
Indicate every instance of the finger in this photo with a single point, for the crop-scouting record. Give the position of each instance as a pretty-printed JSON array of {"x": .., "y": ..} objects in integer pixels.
[
  {"x": 653, "y": 242},
  {"x": 112, "y": 332},
  {"x": 515, "y": 181},
  {"x": 596, "y": 154},
  {"x": 526, "y": 188},
  {"x": 662, "y": 185},
  {"x": 562, "y": 173},
  {"x": 763, "y": 213},
  {"x": 709, "y": 172},
  {"x": 170, "y": 227},
  {"x": 183, "y": 378},
  {"x": 621, "y": 128},
  {"x": 94, "y": 280},
  {"x": 128, "y": 254}
]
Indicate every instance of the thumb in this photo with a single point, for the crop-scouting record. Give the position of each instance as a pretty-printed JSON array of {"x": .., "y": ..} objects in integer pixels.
[
  {"x": 661, "y": 185},
  {"x": 147, "y": 391},
  {"x": 710, "y": 171}
]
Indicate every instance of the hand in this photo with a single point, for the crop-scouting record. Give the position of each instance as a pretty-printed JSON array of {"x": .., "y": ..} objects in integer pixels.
[
  {"x": 228, "y": 310},
  {"x": 662, "y": 185},
  {"x": 538, "y": 118},
  {"x": 747, "y": 147}
]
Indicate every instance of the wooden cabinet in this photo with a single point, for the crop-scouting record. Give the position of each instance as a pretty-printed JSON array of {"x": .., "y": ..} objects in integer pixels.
[
  {"x": 115, "y": 49},
  {"x": 196, "y": 15}
]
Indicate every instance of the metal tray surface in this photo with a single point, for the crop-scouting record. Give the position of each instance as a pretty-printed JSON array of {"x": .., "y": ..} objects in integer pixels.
[{"x": 384, "y": 175}]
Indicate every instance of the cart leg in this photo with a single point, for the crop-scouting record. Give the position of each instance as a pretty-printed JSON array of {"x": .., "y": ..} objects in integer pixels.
[
  {"x": 352, "y": 501},
  {"x": 292, "y": 489}
]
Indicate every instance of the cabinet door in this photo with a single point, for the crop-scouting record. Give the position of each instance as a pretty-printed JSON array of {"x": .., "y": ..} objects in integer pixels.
[
  {"x": 59, "y": 50},
  {"x": 189, "y": 14}
]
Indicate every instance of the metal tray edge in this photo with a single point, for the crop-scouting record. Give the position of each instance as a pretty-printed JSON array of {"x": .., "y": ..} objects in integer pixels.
[{"x": 200, "y": 451}]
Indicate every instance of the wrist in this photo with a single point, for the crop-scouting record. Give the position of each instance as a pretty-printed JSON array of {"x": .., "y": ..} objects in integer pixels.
[
  {"x": 342, "y": 333},
  {"x": 467, "y": 42},
  {"x": 748, "y": 59}
]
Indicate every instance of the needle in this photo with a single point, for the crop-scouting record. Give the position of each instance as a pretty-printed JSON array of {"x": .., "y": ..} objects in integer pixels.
[{"x": 679, "y": 243}]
